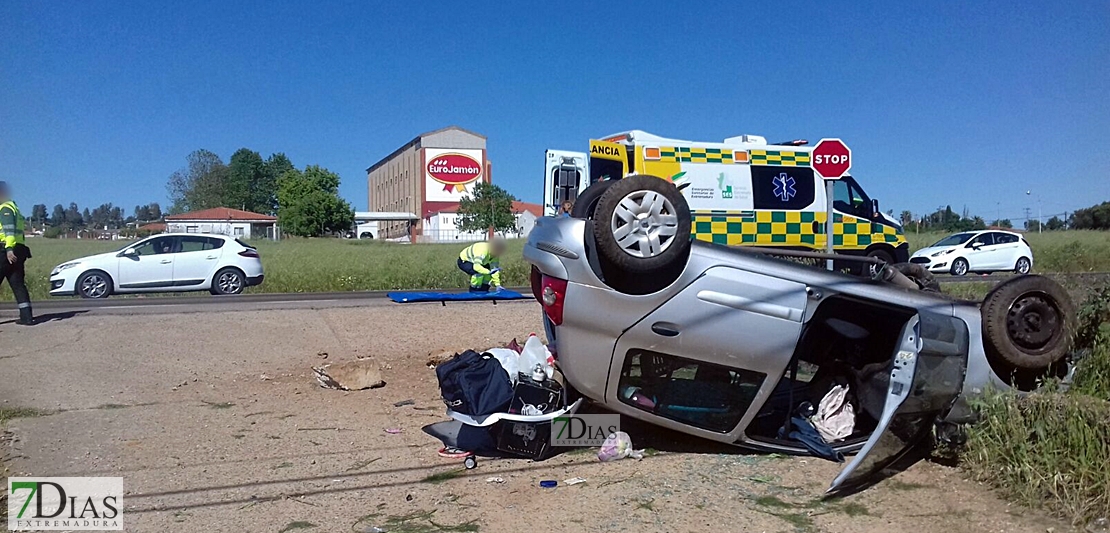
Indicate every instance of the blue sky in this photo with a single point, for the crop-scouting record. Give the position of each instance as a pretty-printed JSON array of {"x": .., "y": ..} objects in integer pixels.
[{"x": 969, "y": 104}]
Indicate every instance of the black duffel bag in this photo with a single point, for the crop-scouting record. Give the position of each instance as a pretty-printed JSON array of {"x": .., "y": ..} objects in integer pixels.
[{"x": 474, "y": 384}]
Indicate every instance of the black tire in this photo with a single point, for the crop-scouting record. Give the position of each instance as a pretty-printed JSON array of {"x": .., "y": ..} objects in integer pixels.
[
  {"x": 920, "y": 275},
  {"x": 960, "y": 267},
  {"x": 1028, "y": 322},
  {"x": 366, "y": 235},
  {"x": 881, "y": 254},
  {"x": 1023, "y": 265},
  {"x": 660, "y": 218},
  {"x": 586, "y": 203},
  {"x": 94, "y": 285},
  {"x": 228, "y": 281}
]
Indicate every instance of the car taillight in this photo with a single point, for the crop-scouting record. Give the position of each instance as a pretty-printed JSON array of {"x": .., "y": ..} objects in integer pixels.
[
  {"x": 250, "y": 252},
  {"x": 552, "y": 295}
]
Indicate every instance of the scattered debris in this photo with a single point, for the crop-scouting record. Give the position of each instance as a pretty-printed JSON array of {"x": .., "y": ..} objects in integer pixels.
[
  {"x": 549, "y": 483},
  {"x": 495, "y": 480},
  {"x": 353, "y": 375},
  {"x": 403, "y": 403},
  {"x": 618, "y": 446},
  {"x": 264, "y": 377},
  {"x": 393, "y": 431},
  {"x": 362, "y": 464},
  {"x": 322, "y": 355},
  {"x": 438, "y": 358},
  {"x": 574, "y": 481}
]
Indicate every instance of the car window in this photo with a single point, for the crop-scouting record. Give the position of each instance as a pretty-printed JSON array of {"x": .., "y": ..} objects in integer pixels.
[
  {"x": 779, "y": 188},
  {"x": 953, "y": 240},
  {"x": 1005, "y": 238},
  {"x": 198, "y": 243},
  {"x": 701, "y": 394},
  {"x": 985, "y": 239},
  {"x": 157, "y": 246},
  {"x": 848, "y": 199}
]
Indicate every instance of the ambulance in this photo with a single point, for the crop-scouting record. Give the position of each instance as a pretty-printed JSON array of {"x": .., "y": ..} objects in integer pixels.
[{"x": 742, "y": 192}]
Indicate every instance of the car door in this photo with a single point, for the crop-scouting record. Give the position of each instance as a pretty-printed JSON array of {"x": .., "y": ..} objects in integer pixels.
[
  {"x": 977, "y": 251},
  {"x": 926, "y": 375},
  {"x": 150, "y": 266},
  {"x": 564, "y": 177},
  {"x": 704, "y": 356},
  {"x": 1006, "y": 250},
  {"x": 197, "y": 260}
]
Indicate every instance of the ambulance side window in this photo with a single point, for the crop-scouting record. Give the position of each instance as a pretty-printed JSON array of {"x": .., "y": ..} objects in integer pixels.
[
  {"x": 848, "y": 199},
  {"x": 782, "y": 188}
]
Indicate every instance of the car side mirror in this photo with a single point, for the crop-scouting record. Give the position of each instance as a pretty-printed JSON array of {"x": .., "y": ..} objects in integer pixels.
[
  {"x": 976, "y": 245},
  {"x": 875, "y": 207},
  {"x": 130, "y": 252}
]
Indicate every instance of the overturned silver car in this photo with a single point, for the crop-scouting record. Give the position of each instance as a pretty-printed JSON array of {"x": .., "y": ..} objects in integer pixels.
[{"x": 730, "y": 344}]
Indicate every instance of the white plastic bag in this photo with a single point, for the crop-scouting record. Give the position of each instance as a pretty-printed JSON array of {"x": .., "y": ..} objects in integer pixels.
[
  {"x": 535, "y": 353},
  {"x": 618, "y": 446},
  {"x": 509, "y": 360},
  {"x": 836, "y": 418}
]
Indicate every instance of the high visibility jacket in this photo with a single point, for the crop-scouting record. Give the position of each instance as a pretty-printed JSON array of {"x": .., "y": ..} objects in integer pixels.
[
  {"x": 11, "y": 225},
  {"x": 481, "y": 255}
]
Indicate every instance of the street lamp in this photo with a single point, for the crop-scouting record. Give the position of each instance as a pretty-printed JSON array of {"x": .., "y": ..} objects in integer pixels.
[{"x": 1040, "y": 222}]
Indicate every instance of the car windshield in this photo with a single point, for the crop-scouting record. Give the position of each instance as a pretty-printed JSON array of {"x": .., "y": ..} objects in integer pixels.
[{"x": 953, "y": 240}]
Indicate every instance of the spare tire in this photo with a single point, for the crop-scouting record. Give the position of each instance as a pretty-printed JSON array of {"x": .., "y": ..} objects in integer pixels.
[
  {"x": 642, "y": 225},
  {"x": 586, "y": 202},
  {"x": 1028, "y": 322},
  {"x": 919, "y": 275}
]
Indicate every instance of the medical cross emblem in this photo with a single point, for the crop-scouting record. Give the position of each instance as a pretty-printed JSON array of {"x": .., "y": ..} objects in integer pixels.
[{"x": 784, "y": 187}]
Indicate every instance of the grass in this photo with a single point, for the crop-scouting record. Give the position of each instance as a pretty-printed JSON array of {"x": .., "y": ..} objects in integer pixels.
[
  {"x": 334, "y": 265},
  {"x": 440, "y": 477},
  {"x": 800, "y": 515},
  {"x": 415, "y": 522}
]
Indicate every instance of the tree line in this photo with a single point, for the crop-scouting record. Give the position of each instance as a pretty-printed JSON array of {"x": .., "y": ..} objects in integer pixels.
[
  {"x": 945, "y": 219},
  {"x": 306, "y": 202},
  {"x": 64, "y": 219}
]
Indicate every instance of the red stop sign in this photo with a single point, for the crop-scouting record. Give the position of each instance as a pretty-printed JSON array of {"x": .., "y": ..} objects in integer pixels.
[{"x": 831, "y": 158}]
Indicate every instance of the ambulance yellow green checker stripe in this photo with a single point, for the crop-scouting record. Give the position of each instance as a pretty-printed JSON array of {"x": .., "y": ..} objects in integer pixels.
[
  {"x": 780, "y": 158},
  {"x": 788, "y": 228},
  {"x": 688, "y": 154}
]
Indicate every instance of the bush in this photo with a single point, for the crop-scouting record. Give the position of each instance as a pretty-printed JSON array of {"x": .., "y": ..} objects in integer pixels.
[{"x": 1045, "y": 450}]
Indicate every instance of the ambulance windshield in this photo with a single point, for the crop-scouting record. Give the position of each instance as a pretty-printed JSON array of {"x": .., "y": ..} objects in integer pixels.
[{"x": 605, "y": 169}]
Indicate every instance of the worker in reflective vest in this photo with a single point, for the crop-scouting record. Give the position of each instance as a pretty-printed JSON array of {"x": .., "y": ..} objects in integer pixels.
[
  {"x": 480, "y": 261},
  {"x": 14, "y": 253}
]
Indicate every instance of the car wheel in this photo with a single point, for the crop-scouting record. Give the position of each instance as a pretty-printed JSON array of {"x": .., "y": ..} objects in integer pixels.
[
  {"x": 1023, "y": 266},
  {"x": 959, "y": 267},
  {"x": 586, "y": 203},
  {"x": 366, "y": 235},
  {"x": 882, "y": 255},
  {"x": 919, "y": 275},
  {"x": 228, "y": 281},
  {"x": 1028, "y": 322},
  {"x": 94, "y": 284},
  {"x": 642, "y": 224}
]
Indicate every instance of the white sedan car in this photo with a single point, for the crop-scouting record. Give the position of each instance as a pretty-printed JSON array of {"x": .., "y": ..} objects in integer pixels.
[
  {"x": 171, "y": 262},
  {"x": 977, "y": 251}
]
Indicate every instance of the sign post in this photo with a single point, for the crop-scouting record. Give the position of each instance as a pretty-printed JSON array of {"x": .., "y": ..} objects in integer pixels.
[{"x": 831, "y": 159}]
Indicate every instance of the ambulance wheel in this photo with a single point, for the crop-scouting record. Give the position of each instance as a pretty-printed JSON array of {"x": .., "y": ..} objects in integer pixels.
[
  {"x": 1028, "y": 322},
  {"x": 880, "y": 254},
  {"x": 642, "y": 225},
  {"x": 586, "y": 203}
]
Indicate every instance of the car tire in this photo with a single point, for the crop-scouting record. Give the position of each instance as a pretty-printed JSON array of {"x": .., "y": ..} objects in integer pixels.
[
  {"x": 1028, "y": 322},
  {"x": 228, "y": 281},
  {"x": 881, "y": 254},
  {"x": 638, "y": 211},
  {"x": 94, "y": 285},
  {"x": 1023, "y": 266},
  {"x": 960, "y": 267},
  {"x": 586, "y": 203},
  {"x": 919, "y": 275},
  {"x": 366, "y": 235}
]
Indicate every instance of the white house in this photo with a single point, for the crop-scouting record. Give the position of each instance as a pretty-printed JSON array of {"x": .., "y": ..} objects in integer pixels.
[
  {"x": 224, "y": 221},
  {"x": 441, "y": 225}
]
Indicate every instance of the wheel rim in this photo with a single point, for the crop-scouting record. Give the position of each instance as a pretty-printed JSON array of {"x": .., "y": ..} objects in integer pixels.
[
  {"x": 1033, "y": 321},
  {"x": 229, "y": 282},
  {"x": 644, "y": 224},
  {"x": 961, "y": 267},
  {"x": 94, "y": 286},
  {"x": 1023, "y": 266}
]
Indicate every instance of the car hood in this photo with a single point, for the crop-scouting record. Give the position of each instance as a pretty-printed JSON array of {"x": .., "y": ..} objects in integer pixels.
[
  {"x": 98, "y": 258},
  {"x": 926, "y": 252}
]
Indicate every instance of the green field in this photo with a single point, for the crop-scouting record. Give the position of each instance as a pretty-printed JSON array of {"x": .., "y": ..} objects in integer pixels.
[{"x": 327, "y": 265}]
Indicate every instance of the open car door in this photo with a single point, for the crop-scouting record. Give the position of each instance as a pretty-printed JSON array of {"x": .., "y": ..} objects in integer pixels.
[
  {"x": 926, "y": 376},
  {"x": 564, "y": 177}
]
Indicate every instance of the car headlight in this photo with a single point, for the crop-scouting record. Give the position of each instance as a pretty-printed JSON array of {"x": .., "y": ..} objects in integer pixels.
[
  {"x": 63, "y": 266},
  {"x": 942, "y": 252}
]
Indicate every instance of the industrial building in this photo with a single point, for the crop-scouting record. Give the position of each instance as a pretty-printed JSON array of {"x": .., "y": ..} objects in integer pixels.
[{"x": 427, "y": 175}]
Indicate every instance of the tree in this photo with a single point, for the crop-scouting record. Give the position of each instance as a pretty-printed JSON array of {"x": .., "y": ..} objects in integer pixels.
[
  {"x": 244, "y": 176},
  {"x": 58, "y": 218},
  {"x": 1054, "y": 224},
  {"x": 1032, "y": 224},
  {"x": 73, "y": 218},
  {"x": 155, "y": 211},
  {"x": 38, "y": 215},
  {"x": 1003, "y": 223},
  {"x": 309, "y": 204},
  {"x": 1094, "y": 217},
  {"x": 488, "y": 207},
  {"x": 906, "y": 218},
  {"x": 265, "y": 193},
  {"x": 200, "y": 185}
]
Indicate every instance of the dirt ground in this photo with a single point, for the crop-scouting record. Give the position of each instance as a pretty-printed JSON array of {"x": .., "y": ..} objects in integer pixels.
[{"x": 216, "y": 424}]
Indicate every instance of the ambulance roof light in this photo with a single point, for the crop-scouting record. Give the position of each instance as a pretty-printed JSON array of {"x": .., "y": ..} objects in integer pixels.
[
  {"x": 795, "y": 142},
  {"x": 746, "y": 139}
]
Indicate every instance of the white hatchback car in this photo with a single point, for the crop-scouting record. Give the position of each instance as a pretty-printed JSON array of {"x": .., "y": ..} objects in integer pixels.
[
  {"x": 171, "y": 262},
  {"x": 977, "y": 251}
]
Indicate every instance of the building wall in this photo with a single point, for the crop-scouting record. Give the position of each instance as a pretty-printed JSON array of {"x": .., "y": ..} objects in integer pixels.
[
  {"x": 233, "y": 229},
  {"x": 396, "y": 183}
]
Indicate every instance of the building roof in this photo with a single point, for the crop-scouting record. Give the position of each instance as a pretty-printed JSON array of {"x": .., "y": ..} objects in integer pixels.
[
  {"x": 221, "y": 214},
  {"x": 153, "y": 226},
  {"x": 535, "y": 209},
  {"x": 416, "y": 142}
]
